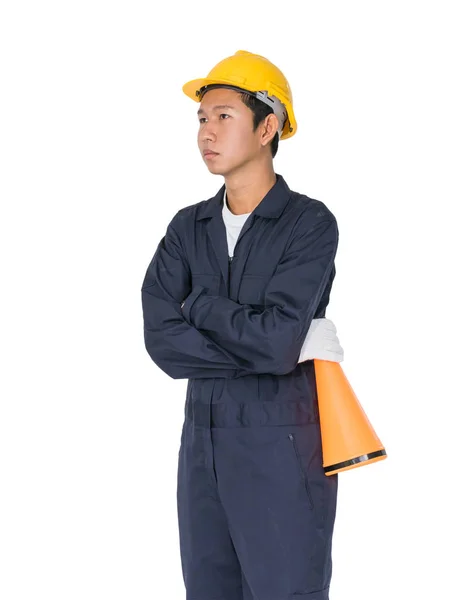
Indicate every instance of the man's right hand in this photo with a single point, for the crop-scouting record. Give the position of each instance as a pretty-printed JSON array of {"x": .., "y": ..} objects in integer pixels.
[{"x": 321, "y": 342}]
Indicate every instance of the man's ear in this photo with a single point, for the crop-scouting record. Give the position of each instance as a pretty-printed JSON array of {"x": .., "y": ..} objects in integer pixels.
[{"x": 268, "y": 129}]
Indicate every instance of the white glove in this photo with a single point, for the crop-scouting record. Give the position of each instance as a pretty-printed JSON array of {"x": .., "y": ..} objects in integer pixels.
[{"x": 321, "y": 342}]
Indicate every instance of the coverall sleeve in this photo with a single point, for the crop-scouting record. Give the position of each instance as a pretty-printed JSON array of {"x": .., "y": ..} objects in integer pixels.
[
  {"x": 174, "y": 345},
  {"x": 270, "y": 340}
]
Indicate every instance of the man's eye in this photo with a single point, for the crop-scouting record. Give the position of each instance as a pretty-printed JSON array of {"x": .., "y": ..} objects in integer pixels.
[{"x": 221, "y": 115}]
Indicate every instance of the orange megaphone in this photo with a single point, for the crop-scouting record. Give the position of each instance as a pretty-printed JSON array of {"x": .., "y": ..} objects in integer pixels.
[{"x": 348, "y": 439}]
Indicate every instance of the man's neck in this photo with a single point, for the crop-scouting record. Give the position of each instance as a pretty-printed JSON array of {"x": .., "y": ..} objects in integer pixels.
[{"x": 244, "y": 191}]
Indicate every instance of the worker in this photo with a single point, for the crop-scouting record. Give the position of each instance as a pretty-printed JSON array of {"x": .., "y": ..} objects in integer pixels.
[{"x": 234, "y": 300}]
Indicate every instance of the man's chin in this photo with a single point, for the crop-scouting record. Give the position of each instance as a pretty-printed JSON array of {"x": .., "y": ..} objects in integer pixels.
[{"x": 215, "y": 169}]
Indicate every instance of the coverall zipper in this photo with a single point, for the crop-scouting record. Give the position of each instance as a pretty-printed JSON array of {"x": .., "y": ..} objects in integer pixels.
[{"x": 230, "y": 258}]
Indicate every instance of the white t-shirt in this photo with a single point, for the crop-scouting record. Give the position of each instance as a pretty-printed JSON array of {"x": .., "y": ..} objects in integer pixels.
[{"x": 234, "y": 224}]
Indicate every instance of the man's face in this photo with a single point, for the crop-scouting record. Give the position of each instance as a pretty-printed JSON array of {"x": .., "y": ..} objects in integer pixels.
[{"x": 227, "y": 130}]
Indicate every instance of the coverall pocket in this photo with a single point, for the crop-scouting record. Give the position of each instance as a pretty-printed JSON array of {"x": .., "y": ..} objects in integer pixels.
[
  {"x": 209, "y": 281},
  {"x": 302, "y": 470},
  {"x": 252, "y": 289}
]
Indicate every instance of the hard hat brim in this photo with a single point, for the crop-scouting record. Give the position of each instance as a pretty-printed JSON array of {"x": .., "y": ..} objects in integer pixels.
[{"x": 191, "y": 88}]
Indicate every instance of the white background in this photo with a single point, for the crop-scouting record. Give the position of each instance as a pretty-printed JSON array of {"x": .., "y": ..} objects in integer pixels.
[{"x": 98, "y": 152}]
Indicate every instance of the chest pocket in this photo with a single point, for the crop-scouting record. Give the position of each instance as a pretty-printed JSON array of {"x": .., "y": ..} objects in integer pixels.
[
  {"x": 210, "y": 281},
  {"x": 252, "y": 290}
]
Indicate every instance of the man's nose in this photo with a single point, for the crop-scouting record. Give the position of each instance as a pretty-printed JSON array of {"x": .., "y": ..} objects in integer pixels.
[{"x": 207, "y": 131}]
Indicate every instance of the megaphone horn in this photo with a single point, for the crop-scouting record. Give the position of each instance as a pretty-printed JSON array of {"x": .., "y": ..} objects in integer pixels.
[{"x": 348, "y": 439}]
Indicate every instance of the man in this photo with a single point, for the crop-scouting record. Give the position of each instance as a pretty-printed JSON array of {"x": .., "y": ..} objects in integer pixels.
[{"x": 234, "y": 300}]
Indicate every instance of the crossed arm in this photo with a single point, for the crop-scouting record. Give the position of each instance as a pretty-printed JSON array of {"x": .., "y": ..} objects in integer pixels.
[{"x": 196, "y": 334}]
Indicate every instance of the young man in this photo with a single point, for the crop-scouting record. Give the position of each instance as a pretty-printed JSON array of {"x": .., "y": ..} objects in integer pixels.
[{"x": 234, "y": 300}]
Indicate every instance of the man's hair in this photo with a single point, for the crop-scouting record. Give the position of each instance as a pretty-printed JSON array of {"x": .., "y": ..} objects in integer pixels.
[{"x": 260, "y": 112}]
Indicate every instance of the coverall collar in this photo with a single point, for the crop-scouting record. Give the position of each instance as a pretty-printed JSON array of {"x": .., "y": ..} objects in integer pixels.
[{"x": 271, "y": 206}]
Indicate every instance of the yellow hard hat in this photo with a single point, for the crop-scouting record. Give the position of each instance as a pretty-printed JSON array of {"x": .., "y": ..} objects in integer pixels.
[{"x": 255, "y": 75}]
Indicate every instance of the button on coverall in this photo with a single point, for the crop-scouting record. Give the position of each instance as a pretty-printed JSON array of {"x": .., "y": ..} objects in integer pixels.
[{"x": 255, "y": 510}]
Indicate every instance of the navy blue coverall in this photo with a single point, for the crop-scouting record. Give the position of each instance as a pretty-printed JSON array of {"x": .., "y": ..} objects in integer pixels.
[{"x": 255, "y": 510}]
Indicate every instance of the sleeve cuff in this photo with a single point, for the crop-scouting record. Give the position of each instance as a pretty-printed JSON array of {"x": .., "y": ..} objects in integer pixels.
[{"x": 189, "y": 301}]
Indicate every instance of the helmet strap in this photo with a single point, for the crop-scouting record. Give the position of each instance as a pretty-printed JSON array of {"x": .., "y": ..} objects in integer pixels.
[{"x": 271, "y": 101}]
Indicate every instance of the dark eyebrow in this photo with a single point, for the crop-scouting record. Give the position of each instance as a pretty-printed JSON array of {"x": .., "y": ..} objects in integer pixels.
[{"x": 200, "y": 111}]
